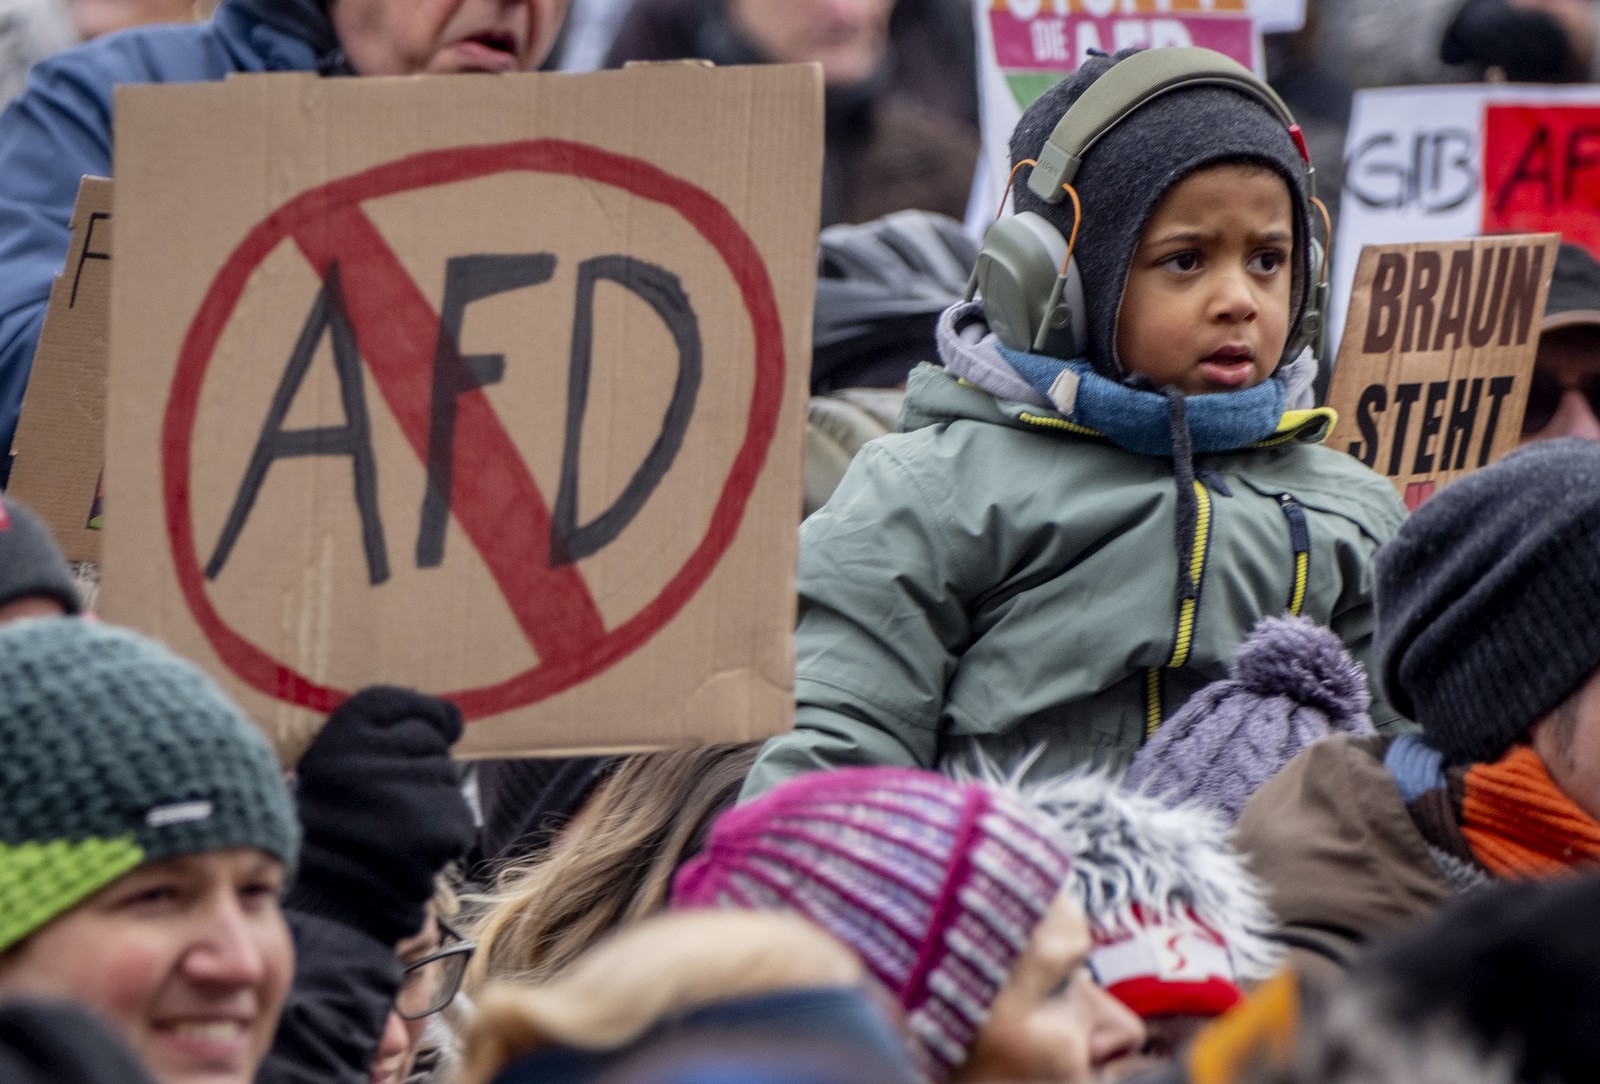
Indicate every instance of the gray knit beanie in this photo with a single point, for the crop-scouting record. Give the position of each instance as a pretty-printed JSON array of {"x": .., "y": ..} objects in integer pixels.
[
  {"x": 1486, "y": 596},
  {"x": 1291, "y": 683},
  {"x": 30, "y": 563},
  {"x": 1127, "y": 172},
  {"x": 114, "y": 752}
]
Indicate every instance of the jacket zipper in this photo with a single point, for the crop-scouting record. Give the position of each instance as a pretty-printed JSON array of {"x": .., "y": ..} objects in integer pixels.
[
  {"x": 1300, "y": 540},
  {"x": 1059, "y": 423},
  {"x": 1183, "y": 641}
]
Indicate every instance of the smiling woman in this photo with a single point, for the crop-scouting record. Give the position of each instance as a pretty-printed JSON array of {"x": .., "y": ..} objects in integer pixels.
[
  {"x": 188, "y": 957},
  {"x": 142, "y": 878}
]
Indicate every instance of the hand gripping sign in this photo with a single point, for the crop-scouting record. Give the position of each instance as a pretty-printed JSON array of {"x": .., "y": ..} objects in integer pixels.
[{"x": 486, "y": 386}]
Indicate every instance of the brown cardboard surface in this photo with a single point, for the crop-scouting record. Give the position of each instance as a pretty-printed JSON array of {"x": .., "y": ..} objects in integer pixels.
[
  {"x": 1434, "y": 365},
  {"x": 60, "y": 441},
  {"x": 288, "y": 248}
]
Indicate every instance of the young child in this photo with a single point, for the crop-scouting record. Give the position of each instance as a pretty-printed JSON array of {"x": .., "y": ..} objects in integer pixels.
[{"x": 1036, "y": 569}]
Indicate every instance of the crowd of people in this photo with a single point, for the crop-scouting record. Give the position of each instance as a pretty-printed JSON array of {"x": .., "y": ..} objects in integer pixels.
[{"x": 1139, "y": 735}]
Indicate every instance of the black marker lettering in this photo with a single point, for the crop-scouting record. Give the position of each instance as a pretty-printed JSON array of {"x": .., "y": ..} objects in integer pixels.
[
  {"x": 1383, "y": 312},
  {"x": 353, "y": 439},
  {"x": 1516, "y": 319},
  {"x": 1463, "y": 417},
  {"x": 1404, "y": 396},
  {"x": 1499, "y": 388},
  {"x": 466, "y": 279},
  {"x": 570, "y": 541},
  {"x": 1425, "y": 268},
  {"x": 1533, "y": 167},
  {"x": 1432, "y": 420},
  {"x": 87, "y": 253},
  {"x": 1486, "y": 299},
  {"x": 1374, "y": 400},
  {"x": 1457, "y": 291},
  {"x": 1582, "y": 155}
]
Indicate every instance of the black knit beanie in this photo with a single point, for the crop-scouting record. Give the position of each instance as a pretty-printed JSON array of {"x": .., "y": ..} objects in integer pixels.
[
  {"x": 1127, "y": 172},
  {"x": 30, "y": 564},
  {"x": 1485, "y": 599},
  {"x": 1510, "y": 967}
]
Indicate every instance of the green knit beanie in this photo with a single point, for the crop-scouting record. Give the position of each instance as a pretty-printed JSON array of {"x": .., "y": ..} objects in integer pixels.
[{"x": 115, "y": 752}]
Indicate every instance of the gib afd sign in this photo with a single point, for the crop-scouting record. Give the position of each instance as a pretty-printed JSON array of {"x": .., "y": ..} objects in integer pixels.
[
  {"x": 1442, "y": 163},
  {"x": 490, "y": 386}
]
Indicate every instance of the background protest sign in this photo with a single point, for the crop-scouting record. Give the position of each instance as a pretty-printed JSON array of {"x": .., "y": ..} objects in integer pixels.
[
  {"x": 1440, "y": 163},
  {"x": 1026, "y": 46},
  {"x": 489, "y": 386},
  {"x": 60, "y": 441},
  {"x": 1433, "y": 374},
  {"x": 1279, "y": 16}
]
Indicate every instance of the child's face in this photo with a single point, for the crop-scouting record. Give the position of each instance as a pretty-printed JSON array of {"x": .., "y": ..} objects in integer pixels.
[{"x": 1206, "y": 306}]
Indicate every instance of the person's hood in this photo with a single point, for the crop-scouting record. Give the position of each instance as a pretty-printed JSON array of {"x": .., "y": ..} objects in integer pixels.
[
  {"x": 1138, "y": 861},
  {"x": 974, "y": 361},
  {"x": 287, "y": 35},
  {"x": 1331, "y": 836}
]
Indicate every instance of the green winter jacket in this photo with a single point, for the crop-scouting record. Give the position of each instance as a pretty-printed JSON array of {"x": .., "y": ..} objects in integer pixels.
[{"x": 998, "y": 572}]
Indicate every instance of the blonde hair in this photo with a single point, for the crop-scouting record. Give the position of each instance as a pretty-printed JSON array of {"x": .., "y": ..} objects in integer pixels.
[
  {"x": 660, "y": 967},
  {"x": 613, "y": 865}
]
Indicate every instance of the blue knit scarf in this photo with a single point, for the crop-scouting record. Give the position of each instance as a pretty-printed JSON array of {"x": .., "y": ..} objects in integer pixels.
[{"x": 1141, "y": 421}]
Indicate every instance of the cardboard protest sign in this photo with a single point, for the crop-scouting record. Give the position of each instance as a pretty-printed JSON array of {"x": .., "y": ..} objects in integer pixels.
[
  {"x": 1026, "y": 46},
  {"x": 60, "y": 441},
  {"x": 491, "y": 386},
  {"x": 1431, "y": 163},
  {"x": 1433, "y": 374}
]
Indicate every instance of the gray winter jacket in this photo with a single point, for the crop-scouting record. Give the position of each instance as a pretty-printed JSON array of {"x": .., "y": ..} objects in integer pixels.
[{"x": 1001, "y": 572}]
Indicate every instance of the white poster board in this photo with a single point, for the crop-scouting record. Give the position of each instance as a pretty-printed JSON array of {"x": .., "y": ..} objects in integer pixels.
[{"x": 1445, "y": 163}]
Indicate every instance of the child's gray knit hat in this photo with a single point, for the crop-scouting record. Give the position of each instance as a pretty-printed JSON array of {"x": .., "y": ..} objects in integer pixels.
[
  {"x": 1127, "y": 172},
  {"x": 1291, "y": 683}
]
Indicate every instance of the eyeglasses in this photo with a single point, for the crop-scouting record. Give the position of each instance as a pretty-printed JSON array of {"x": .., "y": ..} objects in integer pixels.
[
  {"x": 1544, "y": 399},
  {"x": 430, "y": 983}
]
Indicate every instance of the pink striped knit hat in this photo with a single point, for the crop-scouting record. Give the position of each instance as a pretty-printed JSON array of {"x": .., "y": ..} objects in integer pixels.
[{"x": 937, "y": 885}]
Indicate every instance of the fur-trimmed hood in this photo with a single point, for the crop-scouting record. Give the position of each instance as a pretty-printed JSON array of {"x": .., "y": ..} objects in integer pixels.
[{"x": 1130, "y": 851}]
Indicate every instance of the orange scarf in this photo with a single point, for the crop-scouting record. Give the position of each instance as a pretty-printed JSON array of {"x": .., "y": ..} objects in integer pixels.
[{"x": 1518, "y": 822}]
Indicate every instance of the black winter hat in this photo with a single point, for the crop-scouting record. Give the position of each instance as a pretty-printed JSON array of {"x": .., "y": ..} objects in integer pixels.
[
  {"x": 1574, "y": 298},
  {"x": 30, "y": 563},
  {"x": 1527, "y": 43},
  {"x": 1485, "y": 599},
  {"x": 1133, "y": 165},
  {"x": 1513, "y": 966}
]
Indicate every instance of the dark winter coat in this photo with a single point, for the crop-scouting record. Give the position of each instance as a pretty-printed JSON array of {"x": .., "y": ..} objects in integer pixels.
[{"x": 1341, "y": 855}]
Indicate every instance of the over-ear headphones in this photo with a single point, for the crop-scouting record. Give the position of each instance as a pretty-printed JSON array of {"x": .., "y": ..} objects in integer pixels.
[{"x": 1032, "y": 291}]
